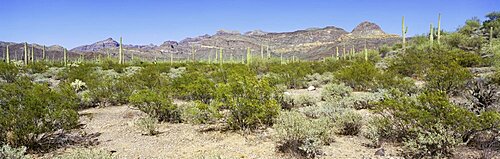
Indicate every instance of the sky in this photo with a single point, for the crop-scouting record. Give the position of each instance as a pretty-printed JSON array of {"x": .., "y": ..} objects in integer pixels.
[{"x": 72, "y": 23}]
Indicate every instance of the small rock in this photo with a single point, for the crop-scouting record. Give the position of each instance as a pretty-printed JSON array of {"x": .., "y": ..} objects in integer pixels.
[
  {"x": 380, "y": 152},
  {"x": 311, "y": 88}
]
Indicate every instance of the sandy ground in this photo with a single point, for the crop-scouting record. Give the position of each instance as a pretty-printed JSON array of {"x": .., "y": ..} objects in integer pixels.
[{"x": 120, "y": 135}]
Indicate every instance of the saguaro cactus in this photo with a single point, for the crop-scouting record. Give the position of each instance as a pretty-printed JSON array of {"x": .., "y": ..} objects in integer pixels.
[
  {"x": 261, "y": 52},
  {"x": 221, "y": 56},
  {"x": 65, "y": 56},
  {"x": 32, "y": 53},
  {"x": 337, "y": 52},
  {"x": 171, "y": 58},
  {"x": 281, "y": 57},
  {"x": 268, "y": 53},
  {"x": 25, "y": 53},
  {"x": 439, "y": 29},
  {"x": 7, "y": 56},
  {"x": 43, "y": 53},
  {"x": 366, "y": 52},
  {"x": 120, "y": 54},
  {"x": 192, "y": 52},
  {"x": 248, "y": 55},
  {"x": 431, "y": 35},
  {"x": 404, "y": 30}
]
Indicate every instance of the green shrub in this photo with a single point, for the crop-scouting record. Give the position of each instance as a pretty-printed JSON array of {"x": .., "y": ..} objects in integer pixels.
[
  {"x": 448, "y": 78},
  {"x": 7, "y": 152},
  {"x": 194, "y": 86},
  {"x": 333, "y": 91},
  {"x": 317, "y": 79},
  {"x": 199, "y": 113},
  {"x": 86, "y": 154},
  {"x": 324, "y": 109},
  {"x": 300, "y": 100},
  {"x": 436, "y": 141},
  {"x": 348, "y": 123},
  {"x": 147, "y": 125},
  {"x": 360, "y": 76},
  {"x": 298, "y": 135},
  {"x": 373, "y": 131},
  {"x": 251, "y": 102},
  {"x": 157, "y": 105},
  {"x": 29, "y": 110},
  {"x": 8, "y": 72},
  {"x": 361, "y": 100}
]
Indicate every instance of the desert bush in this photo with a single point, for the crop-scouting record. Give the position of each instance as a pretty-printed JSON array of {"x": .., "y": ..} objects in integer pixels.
[
  {"x": 435, "y": 141},
  {"x": 199, "y": 113},
  {"x": 251, "y": 102},
  {"x": 360, "y": 76},
  {"x": 8, "y": 72},
  {"x": 361, "y": 100},
  {"x": 333, "y": 91},
  {"x": 7, "y": 152},
  {"x": 29, "y": 110},
  {"x": 448, "y": 78},
  {"x": 300, "y": 100},
  {"x": 373, "y": 130},
  {"x": 156, "y": 104},
  {"x": 194, "y": 86},
  {"x": 86, "y": 154},
  {"x": 299, "y": 135},
  {"x": 147, "y": 125},
  {"x": 176, "y": 72},
  {"x": 348, "y": 123},
  {"x": 323, "y": 109},
  {"x": 317, "y": 79}
]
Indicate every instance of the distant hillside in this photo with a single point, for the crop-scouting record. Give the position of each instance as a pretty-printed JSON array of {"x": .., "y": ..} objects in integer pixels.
[{"x": 312, "y": 43}]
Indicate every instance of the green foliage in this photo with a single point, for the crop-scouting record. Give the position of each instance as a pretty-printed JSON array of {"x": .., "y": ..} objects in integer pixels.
[
  {"x": 29, "y": 110},
  {"x": 435, "y": 141},
  {"x": 300, "y": 100},
  {"x": 333, "y": 91},
  {"x": 348, "y": 123},
  {"x": 8, "y": 72},
  {"x": 251, "y": 102},
  {"x": 147, "y": 125},
  {"x": 8, "y": 152},
  {"x": 199, "y": 113},
  {"x": 156, "y": 104},
  {"x": 360, "y": 76},
  {"x": 299, "y": 135},
  {"x": 450, "y": 79},
  {"x": 86, "y": 154}
]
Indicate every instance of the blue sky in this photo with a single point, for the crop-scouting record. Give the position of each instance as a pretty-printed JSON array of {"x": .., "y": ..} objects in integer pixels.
[{"x": 71, "y": 23}]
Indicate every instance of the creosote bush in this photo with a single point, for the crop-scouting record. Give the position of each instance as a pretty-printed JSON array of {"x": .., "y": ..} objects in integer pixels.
[
  {"x": 147, "y": 125},
  {"x": 156, "y": 104},
  {"x": 7, "y": 152},
  {"x": 29, "y": 110},
  {"x": 296, "y": 134},
  {"x": 332, "y": 92},
  {"x": 348, "y": 123}
]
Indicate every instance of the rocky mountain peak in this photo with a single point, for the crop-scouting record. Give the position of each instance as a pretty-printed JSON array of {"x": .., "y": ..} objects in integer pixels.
[
  {"x": 367, "y": 28},
  {"x": 107, "y": 43}
]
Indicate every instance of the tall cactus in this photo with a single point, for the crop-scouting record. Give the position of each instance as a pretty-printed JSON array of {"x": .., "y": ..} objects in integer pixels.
[
  {"x": 404, "y": 30},
  {"x": 65, "y": 56},
  {"x": 7, "y": 56},
  {"x": 261, "y": 52},
  {"x": 171, "y": 58},
  {"x": 221, "y": 56},
  {"x": 43, "y": 53},
  {"x": 337, "y": 52},
  {"x": 248, "y": 55},
  {"x": 268, "y": 53},
  {"x": 344, "y": 53},
  {"x": 281, "y": 57},
  {"x": 366, "y": 52},
  {"x": 231, "y": 58},
  {"x": 192, "y": 52},
  {"x": 431, "y": 35},
  {"x": 120, "y": 53},
  {"x": 439, "y": 29},
  {"x": 25, "y": 53},
  {"x": 32, "y": 53}
]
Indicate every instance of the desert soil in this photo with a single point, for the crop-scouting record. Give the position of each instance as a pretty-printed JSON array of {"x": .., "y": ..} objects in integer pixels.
[{"x": 178, "y": 140}]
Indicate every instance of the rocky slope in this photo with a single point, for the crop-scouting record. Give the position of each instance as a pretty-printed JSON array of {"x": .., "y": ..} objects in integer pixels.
[{"x": 310, "y": 44}]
